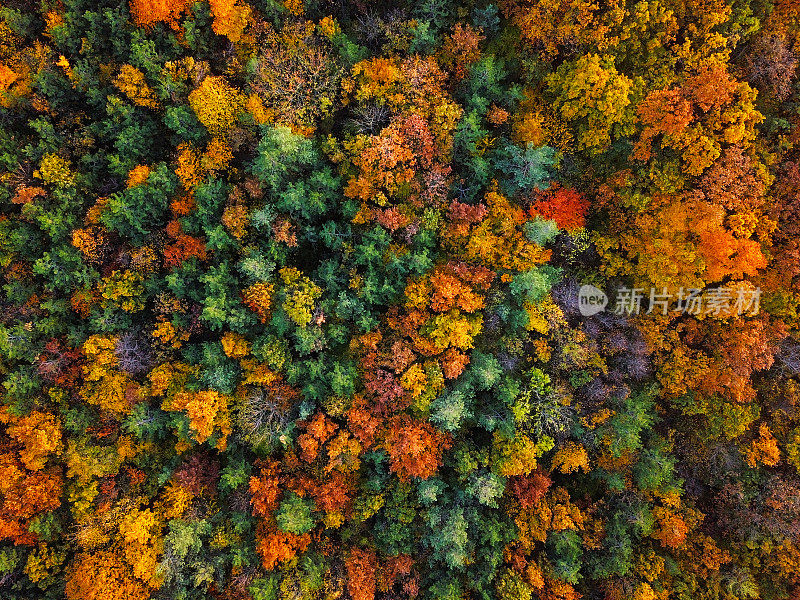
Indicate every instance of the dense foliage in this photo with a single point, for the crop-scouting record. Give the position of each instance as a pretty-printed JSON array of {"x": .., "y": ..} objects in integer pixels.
[{"x": 290, "y": 299}]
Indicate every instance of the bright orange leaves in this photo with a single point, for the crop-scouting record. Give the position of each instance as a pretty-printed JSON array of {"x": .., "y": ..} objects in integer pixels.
[
  {"x": 566, "y": 206},
  {"x": 415, "y": 448},
  {"x": 720, "y": 110},
  {"x": 230, "y": 18},
  {"x": 27, "y": 489},
  {"x": 694, "y": 246},
  {"x": 147, "y": 13}
]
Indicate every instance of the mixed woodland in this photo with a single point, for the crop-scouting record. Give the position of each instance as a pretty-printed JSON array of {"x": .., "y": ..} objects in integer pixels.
[{"x": 289, "y": 299}]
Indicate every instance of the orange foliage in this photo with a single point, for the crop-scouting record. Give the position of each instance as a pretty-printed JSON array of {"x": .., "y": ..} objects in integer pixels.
[
  {"x": 236, "y": 218},
  {"x": 91, "y": 242},
  {"x": 763, "y": 450},
  {"x": 318, "y": 431},
  {"x": 25, "y": 494},
  {"x": 570, "y": 458},
  {"x": 415, "y": 447},
  {"x": 138, "y": 175},
  {"x": 388, "y": 162},
  {"x": 230, "y": 18},
  {"x": 102, "y": 575},
  {"x": 361, "y": 574},
  {"x": 183, "y": 205},
  {"x": 497, "y": 116},
  {"x": 711, "y": 108},
  {"x": 492, "y": 235},
  {"x": 736, "y": 349},
  {"x": 362, "y": 422},
  {"x": 258, "y": 298},
  {"x": 104, "y": 385},
  {"x": 460, "y": 50},
  {"x": 188, "y": 171},
  {"x": 694, "y": 246},
  {"x": 26, "y": 194},
  {"x": 183, "y": 247},
  {"x": 39, "y": 435},
  {"x": 276, "y": 546},
  {"x": 147, "y": 13},
  {"x": 549, "y": 25},
  {"x": 235, "y": 345},
  {"x": 671, "y": 529},
  {"x": 414, "y": 84},
  {"x": 266, "y": 489},
  {"x": 566, "y": 206},
  {"x": 217, "y": 156},
  {"x": 529, "y": 489}
]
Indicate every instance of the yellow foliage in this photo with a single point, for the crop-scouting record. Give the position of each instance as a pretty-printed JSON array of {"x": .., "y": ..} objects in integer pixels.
[
  {"x": 169, "y": 335},
  {"x": 7, "y": 77},
  {"x": 328, "y": 27},
  {"x": 124, "y": 289},
  {"x": 132, "y": 83},
  {"x": 258, "y": 297},
  {"x": 295, "y": 7},
  {"x": 39, "y": 434},
  {"x": 208, "y": 414},
  {"x": 498, "y": 242},
  {"x": 255, "y": 106},
  {"x": 414, "y": 380},
  {"x": 102, "y": 575},
  {"x": 87, "y": 463},
  {"x": 343, "y": 452},
  {"x": 217, "y": 105},
  {"x": 593, "y": 97},
  {"x": 571, "y": 457},
  {"x": 138, "y": 175},
  {"x": 141, "y": 530},
  {"x": 104, "y": 385},
  {"x": 217, "y": 155},
  {"x": 301, "y": 294},
  {"x": 168, "y": 379},
  {"x": 90, "y": 242},
  {"x": 256, "y": 373},
  {"x": 175, "y": 501},
  {"x": 41, "y": 563},
  {"x": 235, "y": 345},
  {"x": 144, "y": 260},
  {"x": 55, "y": 170},
  {"x": 528, "y": 128},
  {"x": 516, "y": 456},
  {"x": 188, "y": 170},
  {"x": 454, "y": 328}
]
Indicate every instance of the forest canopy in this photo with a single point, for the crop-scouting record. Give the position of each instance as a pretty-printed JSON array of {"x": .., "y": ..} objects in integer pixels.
[{"x": 448, "y": 300}]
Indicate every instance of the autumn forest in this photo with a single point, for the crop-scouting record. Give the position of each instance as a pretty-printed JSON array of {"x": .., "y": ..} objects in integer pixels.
[{"x": 399, "y": 299}]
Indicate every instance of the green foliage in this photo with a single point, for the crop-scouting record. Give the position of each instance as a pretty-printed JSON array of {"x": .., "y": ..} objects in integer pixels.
[
  {"x": 295, "y": 514},
  {"x": 245, "y": 353},
  {"x": 525, "y": 169}
]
